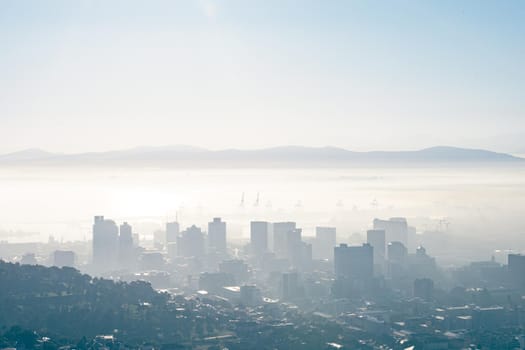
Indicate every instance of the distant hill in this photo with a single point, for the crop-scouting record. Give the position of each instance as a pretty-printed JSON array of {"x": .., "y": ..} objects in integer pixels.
[{"x": 286, "y": 156}]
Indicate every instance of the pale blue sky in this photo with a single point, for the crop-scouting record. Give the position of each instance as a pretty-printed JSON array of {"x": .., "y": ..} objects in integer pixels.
[{"x": 96, "y": 75}]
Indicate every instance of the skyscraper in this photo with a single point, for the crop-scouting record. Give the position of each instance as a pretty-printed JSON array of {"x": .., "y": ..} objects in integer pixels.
[
  {"x": 516, "y": 268},
  {"x": 126, "y": 247},
  {"x": 397, "y": 260},
  {"x": 354, "y": 269},
  {"x": 354, "y": 262},
  {"x": 259, "y": 231},
  {"x": 325, "y": 241},
  {"x": 396, "y": 229},
  {"x": 105, "y": 244},
  {"x": 377, "y": 239},
  {"x": 291, "y": 287},
  {"x": 190, "y": 242},
  {"x": 172, "y": 231},
  {"x": 294, "y": 248},
  {"x": 217, "y": 235},
  {"x": 280, "y": 232}
]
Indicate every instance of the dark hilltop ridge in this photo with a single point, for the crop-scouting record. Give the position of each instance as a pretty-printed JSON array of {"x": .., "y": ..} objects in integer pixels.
[{"x": 285, "y": 156}]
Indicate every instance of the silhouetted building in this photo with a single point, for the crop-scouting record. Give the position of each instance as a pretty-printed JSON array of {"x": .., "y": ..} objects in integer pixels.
[
  {"x": 291, "y": 286},
  {"x": 126, "y": 251},
  {"x": 259, "y": 231},
  {"x": 421, "y": 264},
  {"x": 354, "y": 262},
  {"x": 354, "y": 270},
  {"x": 159, "y": 239},
  {"x": 294, "y": 247},
  {"x": 105, "y": 244},
  {"x": 396, "y": 229},
  {"x": 397, "y": 252},
  {"x": 63, "y": 258},
  {"x": 397, "y": 260},
  {"x": 325, "y": 241},
  {"x": 280, "y": 233},
  {"x": 190, "y": 242},
  {"x": 217, "y": 235},
  {"x": 377, "y": 239},
  {"x": 516, "y": 267},
  {"x": 172, "y": 232}
]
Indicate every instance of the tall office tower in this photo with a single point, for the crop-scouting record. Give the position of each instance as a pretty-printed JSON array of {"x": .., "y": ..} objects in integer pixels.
[
  {"x": 377, "y": 239},
  {"x": 305, "y": 257},
  {"x": 217, "y": 235},
  {"x": 421, "y": 264},
  {"x": 63, "y": 258},
  {"x": 397, "y": 260},
  {"x": 396, "y": 229},
  {"x": 325, "y": 241},
  {"x": 516, "y": 268},
  {"x": 126, "y": 248},
  {"x": 397, "y": 252},
  {"x": 259, "y": 231},
  {"x": 294, "y": 248},
  {"x": 354, "y": 262},
  {"x": 105, "y": 244},
  {"x": 172, "y": 232},
  {"x": 190, "y": 242},
  {"x": 280, "y": 231},
  {"x": 291, "y": 286},
  {"x": 413, "y": 241}
]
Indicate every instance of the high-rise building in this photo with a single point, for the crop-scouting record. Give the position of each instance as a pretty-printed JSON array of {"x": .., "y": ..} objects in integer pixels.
[
  {"x": 377, "y": 239},
  {"x": 126, "y": 248},
  {"x": 354, "y": 262},
  {"x": 190, "y": 242},
  {"x": 105, "y": 244},
  {"x": 217, "y": 235},
  {"x": 259, "y": 231},
  {"x": 396, "y": 229},
  {"x": 298, "y": 253},
  {"x": 397, "y": 260},
  {"x": 397, "y": 252},
  {"x": 354, "y": 269},
  {"x": 325, "y": 241},
  {"x": 172, "y": 232},
  {"x": 280, "y": 237},
  {"x": 63, "y": 258},
  {"x": 291, "y": 286},
  {"x": 516, "y": 270}
]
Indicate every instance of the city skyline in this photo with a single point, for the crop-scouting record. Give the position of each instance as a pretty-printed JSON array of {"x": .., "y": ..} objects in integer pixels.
[{"x": 262, "y": 174}]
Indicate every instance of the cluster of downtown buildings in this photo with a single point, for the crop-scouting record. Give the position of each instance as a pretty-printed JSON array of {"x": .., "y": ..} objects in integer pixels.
[
  {"x": 278, "y": 263},
  {"x": 387, "y": 287}
]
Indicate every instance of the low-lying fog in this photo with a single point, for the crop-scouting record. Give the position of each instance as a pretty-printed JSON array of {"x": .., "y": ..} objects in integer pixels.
[{"x": 482, "y": 207}]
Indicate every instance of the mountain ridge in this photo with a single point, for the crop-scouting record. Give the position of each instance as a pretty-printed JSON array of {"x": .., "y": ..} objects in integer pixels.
[{"x": 291, "y": 155}]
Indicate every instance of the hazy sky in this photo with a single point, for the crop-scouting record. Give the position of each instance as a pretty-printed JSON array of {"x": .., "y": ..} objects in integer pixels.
[{"x": 96, "y": 75}]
